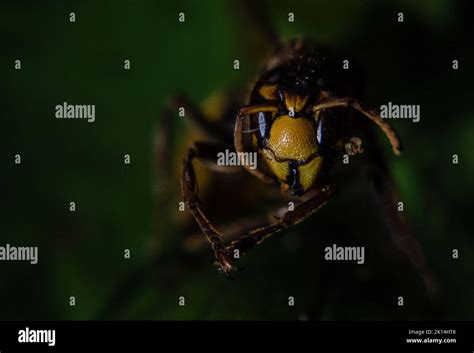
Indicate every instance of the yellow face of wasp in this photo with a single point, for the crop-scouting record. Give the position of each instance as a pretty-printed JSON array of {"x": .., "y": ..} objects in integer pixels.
[{"x": 293, "y": 140}]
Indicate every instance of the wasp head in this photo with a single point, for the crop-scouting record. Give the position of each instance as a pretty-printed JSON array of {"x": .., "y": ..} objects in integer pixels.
[{"x": 297, "y": 87}]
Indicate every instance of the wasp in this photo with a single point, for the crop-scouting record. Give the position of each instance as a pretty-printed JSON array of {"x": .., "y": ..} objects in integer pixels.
[
  {"x": 289, "y": 122},
  {"x": 299, "y": 118}
]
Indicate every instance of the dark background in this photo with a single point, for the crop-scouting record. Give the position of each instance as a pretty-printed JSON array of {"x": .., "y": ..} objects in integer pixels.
[{"x": 81, "y": 253}]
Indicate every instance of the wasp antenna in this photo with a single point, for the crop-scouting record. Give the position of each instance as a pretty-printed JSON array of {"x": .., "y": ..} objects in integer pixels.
[
  {"x": 257, "y": 108},
  {"x": 333, "y": 102},
  {"x": 382, "y": 124},
  {"x": 249, "y": 131}
]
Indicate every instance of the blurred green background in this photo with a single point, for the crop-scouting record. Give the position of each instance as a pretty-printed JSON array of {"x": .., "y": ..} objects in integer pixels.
[{"x": 81, "y": 252}]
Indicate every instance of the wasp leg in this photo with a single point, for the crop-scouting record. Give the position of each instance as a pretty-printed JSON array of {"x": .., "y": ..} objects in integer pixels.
[
  {"x": 289, "y": 219},
  {"x": 333, "y": 102},
  {"x": 232, "y": 230},
  {"x": 387, "y": 198},
  {"x": 351, "y": 146},
  {"x": 189, "y": 190}
]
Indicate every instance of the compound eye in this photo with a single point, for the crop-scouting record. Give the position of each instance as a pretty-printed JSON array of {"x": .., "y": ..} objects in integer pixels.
[
  {"x": 261, "y": 123},
  {"x": 319, "y": 131}
]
